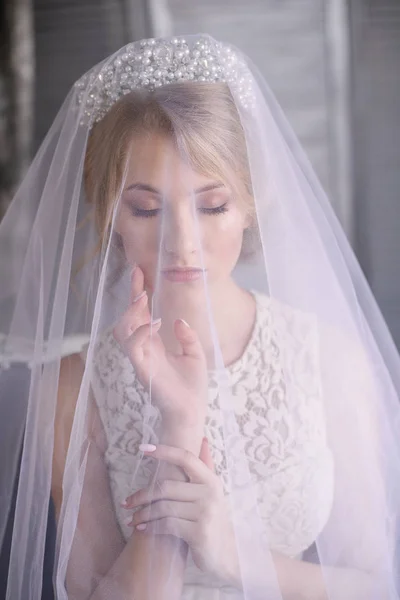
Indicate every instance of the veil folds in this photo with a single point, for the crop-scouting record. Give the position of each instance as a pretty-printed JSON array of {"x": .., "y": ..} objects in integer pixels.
[{"x": 287, "y": 367}]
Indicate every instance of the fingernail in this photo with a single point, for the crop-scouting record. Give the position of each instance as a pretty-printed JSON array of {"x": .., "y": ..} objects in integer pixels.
[
  {"x": 136, "y": 298},
  {"x": 147, "y": 447},
  {"x": 184, "y": 322},
  {"x": 141, "y": 527}
]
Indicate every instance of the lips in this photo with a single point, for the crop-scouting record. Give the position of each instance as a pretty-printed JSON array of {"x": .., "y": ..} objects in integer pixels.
[{"x": 183, "y": 274}]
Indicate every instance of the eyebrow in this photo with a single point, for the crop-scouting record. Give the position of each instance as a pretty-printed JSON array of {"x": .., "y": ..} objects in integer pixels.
[{"x": 149, "y": 188}]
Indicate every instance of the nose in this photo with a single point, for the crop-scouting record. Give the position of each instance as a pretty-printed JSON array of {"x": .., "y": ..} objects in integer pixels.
[{"x": 179, "y": 232}]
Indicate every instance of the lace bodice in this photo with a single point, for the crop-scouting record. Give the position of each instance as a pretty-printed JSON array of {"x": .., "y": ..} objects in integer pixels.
[{"x": 278, "y": 409}]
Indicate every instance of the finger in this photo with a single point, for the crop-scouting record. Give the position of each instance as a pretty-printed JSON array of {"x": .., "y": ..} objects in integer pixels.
[
  {"x": 205, "y": 454},
  {"x": 180, "y": 528},
  {"x": 135, "y": 345},
  {"x": 165, "y": 508},
  {"x": 137, "y": 282},
  {"x": 196, "y": 470},
  {"x": 165, "y": 490},
  {"x": 136, "y": 315},
  {"x": 188, "y": 339}
]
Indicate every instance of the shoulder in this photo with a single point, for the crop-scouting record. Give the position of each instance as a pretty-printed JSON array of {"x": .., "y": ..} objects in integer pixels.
[
  {"x": 271, "y": 305},
  {"x": 345, "y": 360},
  {"x": 338, "y": 348},
  {"x": 281, "y": 321}
]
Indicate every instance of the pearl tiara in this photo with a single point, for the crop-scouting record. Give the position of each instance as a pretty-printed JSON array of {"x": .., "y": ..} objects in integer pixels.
[{"x": 150, "y": 64}]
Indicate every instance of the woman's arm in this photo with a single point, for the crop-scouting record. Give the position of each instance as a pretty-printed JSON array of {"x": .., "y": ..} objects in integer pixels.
[
  {"x": 101, "y": 565},
  {"x": 90, "y": 557},
  {"x": 151, "y": 567}
]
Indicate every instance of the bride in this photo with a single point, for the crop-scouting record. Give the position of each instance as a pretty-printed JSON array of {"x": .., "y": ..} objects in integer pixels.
[{"x": 230, "y": 428}]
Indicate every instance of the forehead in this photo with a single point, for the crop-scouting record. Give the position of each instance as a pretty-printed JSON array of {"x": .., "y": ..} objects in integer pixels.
[{"x": 155, "y": 160}]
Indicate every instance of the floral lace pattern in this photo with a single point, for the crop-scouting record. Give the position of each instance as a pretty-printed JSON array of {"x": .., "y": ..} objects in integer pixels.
[{"x": 267, "y": 411}]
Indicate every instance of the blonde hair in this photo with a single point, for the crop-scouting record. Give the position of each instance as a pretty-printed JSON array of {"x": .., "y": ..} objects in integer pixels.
[{"x": 201, "y": 118}]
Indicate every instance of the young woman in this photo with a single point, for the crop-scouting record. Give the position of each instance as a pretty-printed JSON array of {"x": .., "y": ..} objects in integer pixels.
[{"x": 232, "y": 414}]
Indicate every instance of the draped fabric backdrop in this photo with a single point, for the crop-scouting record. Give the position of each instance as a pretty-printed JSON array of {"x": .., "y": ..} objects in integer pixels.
[{"x": 17, "y": 67}]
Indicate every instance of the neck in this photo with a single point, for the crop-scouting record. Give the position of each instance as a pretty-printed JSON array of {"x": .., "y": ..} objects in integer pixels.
[{"x": 223, "y": 315}]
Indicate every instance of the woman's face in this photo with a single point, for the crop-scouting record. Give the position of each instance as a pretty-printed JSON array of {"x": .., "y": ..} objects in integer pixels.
[{"x": 175, "y": 223}]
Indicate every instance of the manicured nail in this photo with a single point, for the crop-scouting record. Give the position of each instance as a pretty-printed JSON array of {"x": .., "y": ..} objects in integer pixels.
[
  {"x": 141, "y": 527},
  {"x": 136, "y": 298},
  {"x": 147, "y": 447},
  {"x": 184, "y": 322}
]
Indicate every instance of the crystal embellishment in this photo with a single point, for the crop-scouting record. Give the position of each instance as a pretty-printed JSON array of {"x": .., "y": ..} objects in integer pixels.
[{"x": 150, "y": 64}]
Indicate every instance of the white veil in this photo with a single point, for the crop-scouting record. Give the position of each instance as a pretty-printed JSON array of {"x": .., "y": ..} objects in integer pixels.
[{"x": 302, "y": 424}]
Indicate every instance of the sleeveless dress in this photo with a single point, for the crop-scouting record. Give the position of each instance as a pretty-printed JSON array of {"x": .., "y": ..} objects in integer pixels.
[{"x": 284, "y": 432}]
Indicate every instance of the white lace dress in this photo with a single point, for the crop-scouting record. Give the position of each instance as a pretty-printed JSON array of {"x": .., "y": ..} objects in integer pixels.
[{"x": 284, "y": 432}]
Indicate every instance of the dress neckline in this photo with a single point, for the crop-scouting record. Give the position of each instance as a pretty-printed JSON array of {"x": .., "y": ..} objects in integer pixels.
[{"x": 241, "y": 361}]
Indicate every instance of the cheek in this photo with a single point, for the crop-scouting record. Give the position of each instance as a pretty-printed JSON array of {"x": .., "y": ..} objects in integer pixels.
[
  {"x": 140, "y": 240},
  {"x": 141, "y": 247},
  {"x": 224, "y": 239}
]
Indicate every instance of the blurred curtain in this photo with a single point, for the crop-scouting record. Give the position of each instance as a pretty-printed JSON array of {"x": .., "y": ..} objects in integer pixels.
[
  {"x": 16, "y": 94},
  {"x": 375, "y": 50},
  {"x": 73, "y": 35}
]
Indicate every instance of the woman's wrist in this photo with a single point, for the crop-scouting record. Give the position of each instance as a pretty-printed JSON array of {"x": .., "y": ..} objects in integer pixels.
[
  {"x": 183, "y": 429},
  {"x": 187, "y": 438},
  {"x": 186, "y": 419},
  {"x": 182, "y": 435},
  {"x": 231, "y": 573}
]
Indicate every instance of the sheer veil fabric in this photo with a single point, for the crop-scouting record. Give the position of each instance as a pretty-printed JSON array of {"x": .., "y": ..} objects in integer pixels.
[{"x": 182, "y": 282}]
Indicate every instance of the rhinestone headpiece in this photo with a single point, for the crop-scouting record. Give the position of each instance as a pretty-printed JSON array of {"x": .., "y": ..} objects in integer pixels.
[{"x": 150, "y": 64}]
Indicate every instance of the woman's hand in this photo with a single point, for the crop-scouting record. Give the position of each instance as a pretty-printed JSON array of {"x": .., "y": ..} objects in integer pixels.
[
  {"x": 193, "y": 510},
  {"x": 178, "y": 381}
]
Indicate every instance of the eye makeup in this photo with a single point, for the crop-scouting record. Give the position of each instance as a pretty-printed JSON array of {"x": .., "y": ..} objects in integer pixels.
[{"x": 146, "y": 203}]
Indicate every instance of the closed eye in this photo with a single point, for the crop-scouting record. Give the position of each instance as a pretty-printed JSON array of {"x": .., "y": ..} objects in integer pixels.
[
  {"x": 148, "y": 213},
  {"x": 216, "y": 210},
  {"x": 141, "y": 212}
]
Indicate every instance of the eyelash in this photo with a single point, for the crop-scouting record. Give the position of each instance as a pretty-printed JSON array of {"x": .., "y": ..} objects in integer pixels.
[
  {"x": 218, "y": 210},
  {"x": 139, "y": 212}
]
